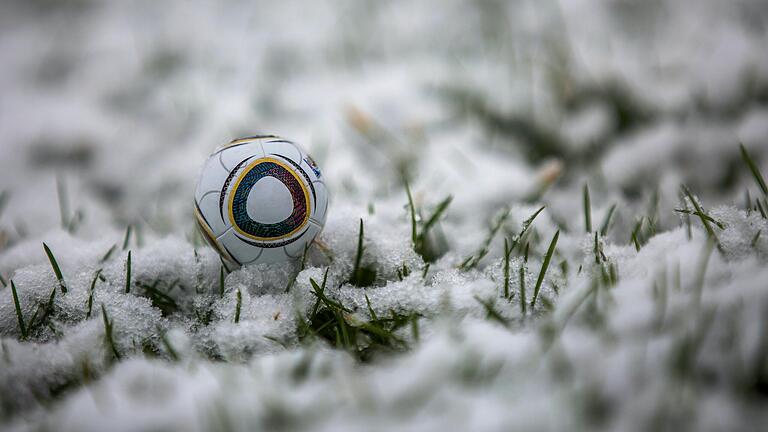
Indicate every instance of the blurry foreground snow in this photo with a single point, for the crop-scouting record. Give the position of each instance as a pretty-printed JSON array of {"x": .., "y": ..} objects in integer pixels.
[{"x": 109, "y": 110}]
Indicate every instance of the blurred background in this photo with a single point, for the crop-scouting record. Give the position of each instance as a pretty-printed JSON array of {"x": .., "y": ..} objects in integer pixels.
[{"x": 122, "y": 101}]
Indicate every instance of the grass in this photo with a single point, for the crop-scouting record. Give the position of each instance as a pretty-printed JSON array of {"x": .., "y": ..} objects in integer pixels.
[
  {"x": 423, "y": 243},
  {"x": 516, "y": 241},
  {"x": 705, "y": 219},
  {"x": 473, "y": 260},
  {"x": 521, "y": 279},
  {"x": 90, "y": 293},
  {"x": 507, "y": 253},
  {"x": 753, "y": 168},
  {"x": 698, "y": 286},
  {"x": 127, "y": 237},
  {"x": 238, "y": 305},
  {"x": 291, "y": 281},
  {"x": 412, "y": 212},
  {"x": 160, "y": 297},
  {"x": 760, "y": 205},
  {"x": 19, "y": 315},
  {"x": 56, "y": 269},
  {"x": 168, "y": 347},
  {"x": 607, "y": 221},
  {"x": 330, "y": 320},
  {"x": 403, "y": 272},
  {"x": 4, "y": 197},
  {"x": 61, "y": 193},
  {"x": 544, "y": 267},
  {"x": 108, "y": 333},
  {"x": 587, "y": 209},
  {"x": 491, "y": 313},
  {"x": 128, "y": 273},
  {"x": 221, "y": 282},
  {"x": 415, "y": 333},
  {"x": 362, "y": 276},
  {"x": 709, "y": 218},
  {"x": 40, "y": 319},
  {"x": 108, "y": 254}
]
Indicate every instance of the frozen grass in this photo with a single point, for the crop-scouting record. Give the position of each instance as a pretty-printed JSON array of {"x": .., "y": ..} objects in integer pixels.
[{"x": 530, "y": 229}]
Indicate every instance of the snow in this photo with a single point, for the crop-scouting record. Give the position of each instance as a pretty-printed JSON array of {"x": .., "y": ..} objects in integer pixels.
[{"x": 110, "y": 110}]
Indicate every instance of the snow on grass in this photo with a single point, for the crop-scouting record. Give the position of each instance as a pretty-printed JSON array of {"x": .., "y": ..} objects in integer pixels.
[{"x": 441, "y": 128}]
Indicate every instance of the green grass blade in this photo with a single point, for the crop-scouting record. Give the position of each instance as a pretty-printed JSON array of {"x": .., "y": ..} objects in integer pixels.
[
  {"x": 61, "y": 192},
  {"x": 700, "y": 213},
  {"x": 507, "y": 253},
  {"x": 128, "y": 274},
  {"x": 221, "y": 281},
  {"x": 108, "y": 332},
  {"x": 4, "y": 195},
  {"x": 607, "y": 221},
  {"x": 108, "y": 254},
  {"x": 635, "y": 233},
  {"x": 521, "y": 275},
  {"x": 491, "y": 313},
  {"x": 761, "y": 209},
  {"x": 587, "y": 210},
  {"x": 412, "y": 211},
  {"x": 168, "y": 347},
  {"x": 319, "y": 292},
  {"x": 358, "y": 255},
  {"x": 320, "y": 289},
  {"x": 474, "y": 260},
  {"x": 238, "y": 305},
  {"x": 754, "y": 169},
  {"x": 370, "y": 309},
  {"x": 526, "y": 225},
  {"x": 703, "y": 263},
  {"x": 19, "y": 316},
  {"x": 302, "y": 266},
  {"x": 127, "y": 237},
  {"x": 439, "y": 210},
  {"x": 56, "y": 269},
  {"x": 90, "y": 295},
  {"x": 544, "y": 266}
]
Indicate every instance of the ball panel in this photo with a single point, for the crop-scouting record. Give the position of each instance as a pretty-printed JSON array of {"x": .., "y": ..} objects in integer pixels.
[
  {"x": 241, "y": 251},
  {"x": 296, "y": 249},
  {"x": 283, "y": 148},
  {"x": 249, "y": 139},
  {"x": 269, "y": 201},
  {"x": 212, "y": 240},
  {"x": 212, "y": 177},
  {"x": 208, "y": 210},
  {"x": 232, "y": 156},
  {"x": 308, "y": 164},
  {"x": 321, "y": 207},
  {"x": 274, "y": 255}
]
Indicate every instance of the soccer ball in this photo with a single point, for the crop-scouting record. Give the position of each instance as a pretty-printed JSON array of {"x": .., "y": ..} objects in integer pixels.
[{"x": 260, "y": 199}]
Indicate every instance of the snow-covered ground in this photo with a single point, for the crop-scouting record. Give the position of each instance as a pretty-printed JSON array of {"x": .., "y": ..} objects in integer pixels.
[{"x": 647, "y": 321}]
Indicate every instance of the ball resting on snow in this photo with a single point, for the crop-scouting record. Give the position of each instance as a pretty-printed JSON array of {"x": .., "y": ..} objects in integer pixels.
[{"x": 260, "y": 199}]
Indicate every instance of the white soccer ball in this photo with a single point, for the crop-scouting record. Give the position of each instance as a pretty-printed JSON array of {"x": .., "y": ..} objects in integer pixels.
[{"x": 260, "y": 199}]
